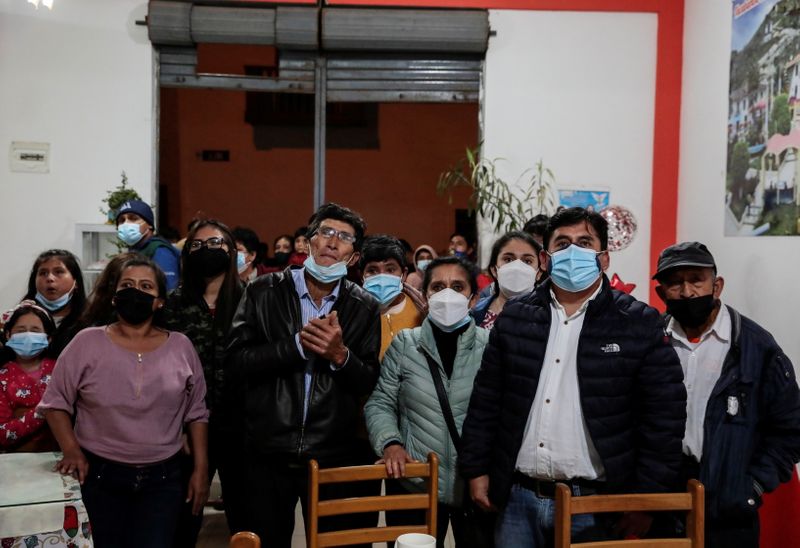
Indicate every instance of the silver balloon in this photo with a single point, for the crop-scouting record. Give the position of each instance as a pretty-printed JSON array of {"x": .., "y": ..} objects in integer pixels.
[{"x": 621, "y": 227}]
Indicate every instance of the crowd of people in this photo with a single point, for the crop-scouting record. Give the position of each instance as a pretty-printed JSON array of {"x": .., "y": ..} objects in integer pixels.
[{"x": 206, "y": 357}]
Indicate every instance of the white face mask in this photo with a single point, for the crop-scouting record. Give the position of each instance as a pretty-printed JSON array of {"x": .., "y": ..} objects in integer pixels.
[
  {"x": 516, "y": 278},
  {"x": 448, "y": 309}
]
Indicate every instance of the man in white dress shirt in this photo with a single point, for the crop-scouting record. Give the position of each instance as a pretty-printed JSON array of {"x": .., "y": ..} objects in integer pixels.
[
  {"x": 578, "y": 385},
  {"x": 743, "y": 411}
]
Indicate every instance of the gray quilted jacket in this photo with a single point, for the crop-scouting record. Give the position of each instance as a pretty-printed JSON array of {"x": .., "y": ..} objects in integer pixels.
[{"x": 404, "y": 407}]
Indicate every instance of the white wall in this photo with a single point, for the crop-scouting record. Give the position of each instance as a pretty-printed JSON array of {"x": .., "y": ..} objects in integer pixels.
[
  {"x": 577, "y": 91},
  {"x": 761, "y": 273},
  {"x": 80, "y": 78}
]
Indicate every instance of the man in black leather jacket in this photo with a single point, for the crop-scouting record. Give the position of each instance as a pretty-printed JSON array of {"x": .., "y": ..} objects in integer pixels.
[
  {"x": 303, "y": 355},
  {"x": 743, "y": 426}
]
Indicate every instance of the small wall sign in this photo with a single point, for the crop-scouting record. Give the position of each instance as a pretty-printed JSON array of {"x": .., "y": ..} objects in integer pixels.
[{"x": 27, "y": 157}]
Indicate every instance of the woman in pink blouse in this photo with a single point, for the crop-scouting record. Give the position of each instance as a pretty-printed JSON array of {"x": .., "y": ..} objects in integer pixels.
[
  {"x": 133, "y": 386},
  {"x": 27, "y": 332}
]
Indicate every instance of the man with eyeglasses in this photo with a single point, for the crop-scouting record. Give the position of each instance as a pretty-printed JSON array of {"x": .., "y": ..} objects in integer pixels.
[
  {"x": 303, "y": 352},
  {"x": 579, "y": 385},
  {"x": 743, "y": 425}
]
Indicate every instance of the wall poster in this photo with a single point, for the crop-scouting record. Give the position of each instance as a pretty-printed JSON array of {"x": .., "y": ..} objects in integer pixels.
[{"x": 763, "y": 169}]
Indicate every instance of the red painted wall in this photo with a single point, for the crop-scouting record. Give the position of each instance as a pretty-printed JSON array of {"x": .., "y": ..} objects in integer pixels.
[{"x": 271, "y": 191}]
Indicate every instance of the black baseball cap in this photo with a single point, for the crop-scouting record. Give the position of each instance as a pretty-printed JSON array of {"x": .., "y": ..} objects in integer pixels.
[{"x": 684, "y": 254}]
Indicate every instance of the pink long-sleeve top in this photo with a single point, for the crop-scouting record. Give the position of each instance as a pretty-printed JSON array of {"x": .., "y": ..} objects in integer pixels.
[
  {"x": 21, "y": 390},
  {"x": 131, "y": 407}
]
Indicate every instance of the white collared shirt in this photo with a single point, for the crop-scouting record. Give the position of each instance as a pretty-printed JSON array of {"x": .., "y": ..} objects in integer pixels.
[
  {"x": 702, "y": 365},
  {"x": 556, "y": 443}
]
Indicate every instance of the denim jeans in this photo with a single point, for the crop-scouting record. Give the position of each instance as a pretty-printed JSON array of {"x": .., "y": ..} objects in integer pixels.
[
  {"x": 132, "y": 506},
  {"x": 527, "y": 521}
]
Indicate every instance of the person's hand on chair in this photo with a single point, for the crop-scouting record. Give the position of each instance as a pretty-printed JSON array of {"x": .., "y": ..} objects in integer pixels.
[{"x": 395, "y": 458}]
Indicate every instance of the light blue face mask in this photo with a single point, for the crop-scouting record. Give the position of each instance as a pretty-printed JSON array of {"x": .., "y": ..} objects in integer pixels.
[
  {"x": 129, "y": 233},
  {"x": 575, "y": 268},
  {"x": 384, "y": 287},
  {"x": 27, "y": 344},
  {"x": 54, "y": 305},
  {"x": 325, "y": 274},
  {"x": 423, "y": 264},
  {"x": 241, "y": 262}
]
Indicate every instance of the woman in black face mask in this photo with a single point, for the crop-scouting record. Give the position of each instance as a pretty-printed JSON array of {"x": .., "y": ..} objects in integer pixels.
[
  {"x": 132, "y": 388},
  {"x": 202, "y": 308}
]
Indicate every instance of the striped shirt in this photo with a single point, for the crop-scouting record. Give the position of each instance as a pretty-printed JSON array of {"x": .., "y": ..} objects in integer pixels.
[{"x": 308, "y": 311}]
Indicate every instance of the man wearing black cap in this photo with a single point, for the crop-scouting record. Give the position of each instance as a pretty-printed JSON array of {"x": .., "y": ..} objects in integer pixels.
[
  {"x": 743, "y": 410},
  {"x": 136, "y": 228}
]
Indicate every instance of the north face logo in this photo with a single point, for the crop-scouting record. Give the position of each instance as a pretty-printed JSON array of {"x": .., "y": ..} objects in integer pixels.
[{"x": 610, "y": 348}]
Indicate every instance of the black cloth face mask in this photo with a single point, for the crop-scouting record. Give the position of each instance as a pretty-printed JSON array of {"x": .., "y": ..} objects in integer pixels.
[
  {"x": 209, "y": 262},
  {"x": 691, "y": 312},
  {"x": 134, "y": 306}
]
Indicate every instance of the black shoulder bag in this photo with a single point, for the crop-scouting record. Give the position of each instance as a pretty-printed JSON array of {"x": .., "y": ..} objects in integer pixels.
[{"x": 478, "y": 525}]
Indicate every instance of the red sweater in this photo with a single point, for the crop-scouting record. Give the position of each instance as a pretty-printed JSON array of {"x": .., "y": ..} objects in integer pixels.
[{"x": 19, "y": 390}]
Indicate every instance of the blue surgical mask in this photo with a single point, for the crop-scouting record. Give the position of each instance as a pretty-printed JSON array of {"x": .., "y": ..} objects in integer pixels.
[
  {"x": 384, "y": 287},
  {"x": 27, "y": 344},
  {"x": 54, "y": 305},
  {"x": 325, "y": 274},
  {"x": 575, "y": 268},
  {"x": 460, "y": 254},
  {"x": 423, "y": 264},
  {"x": 129, "y": 233},
  {"x": 241, "y": 262}
]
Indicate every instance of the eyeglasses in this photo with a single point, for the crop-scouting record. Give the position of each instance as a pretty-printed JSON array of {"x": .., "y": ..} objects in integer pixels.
[
  {"x": 330, "y": 232},
  {"x": 211, "y": 243}
]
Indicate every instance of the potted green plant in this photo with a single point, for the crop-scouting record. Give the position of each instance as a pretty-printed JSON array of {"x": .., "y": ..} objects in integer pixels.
[
  {"x": 115, "y": 198},
  {"x": 506, "y": 207}
]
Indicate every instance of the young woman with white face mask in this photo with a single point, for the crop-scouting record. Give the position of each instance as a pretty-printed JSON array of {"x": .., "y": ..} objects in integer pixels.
[
  {"x": 514, "y": 267},
  {"x": 449, "y": 345}
]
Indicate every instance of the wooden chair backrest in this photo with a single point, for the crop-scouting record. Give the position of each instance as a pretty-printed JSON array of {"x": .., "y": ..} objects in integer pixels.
[
  {"x": 334, "y": 507},
  {"x": 692, "y": 501},
  {"x": 245, "y": 539}
]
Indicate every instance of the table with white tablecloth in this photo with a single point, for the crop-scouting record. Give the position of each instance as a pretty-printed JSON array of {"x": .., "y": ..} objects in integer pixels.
[{"x": 39, "y": 506}]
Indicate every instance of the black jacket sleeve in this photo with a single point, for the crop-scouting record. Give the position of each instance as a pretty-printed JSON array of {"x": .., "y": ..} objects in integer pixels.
[
  {"x": 485, "y": 404},
  {"x": 250, "y": 356},
  {"x": 777, "y": 448},
  {"x": 660, "y": 411}
]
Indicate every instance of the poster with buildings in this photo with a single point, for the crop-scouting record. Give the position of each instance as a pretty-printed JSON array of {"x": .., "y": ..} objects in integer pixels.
[{"x": 763, "y": 171}]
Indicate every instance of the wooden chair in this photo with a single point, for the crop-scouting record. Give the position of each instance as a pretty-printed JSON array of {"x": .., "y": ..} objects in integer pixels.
[
  {"x": 692, "y": 501},
  {"x": 336, "y": 507},
  {"x": 245, "y": 539}
]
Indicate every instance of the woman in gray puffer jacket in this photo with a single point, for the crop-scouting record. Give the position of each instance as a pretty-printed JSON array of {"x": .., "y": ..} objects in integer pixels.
[{"x": 404, "y": 416}]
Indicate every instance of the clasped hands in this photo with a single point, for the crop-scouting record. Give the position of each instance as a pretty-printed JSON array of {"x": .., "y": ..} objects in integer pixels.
[{"x": 323, "y": 337}]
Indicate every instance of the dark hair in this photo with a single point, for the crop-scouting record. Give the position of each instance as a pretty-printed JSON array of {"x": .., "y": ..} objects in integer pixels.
[
  {"x": 287, "y": 237},
  {"x": 501, "y": 242},
  {"x": 574, "y": 216},
  {"x": 536, "y": 225},
  {"x": 22, "y": 309},
  {"x": 469, "y": 238},
  {"x": 99, "y": 310},
  {"x": 339, "y": 213},
  {"x": 247, "y": 237},
  {"x": 78, "y": 300},
  {"x": 469, "y": 269},
  {"x": 193, "y": 284},
  {"x": 406, "y": 246},
  {"x": 137, "y": 259},
  {"x": 382, "y": 247},
  {"x": 302, "y": 231}
]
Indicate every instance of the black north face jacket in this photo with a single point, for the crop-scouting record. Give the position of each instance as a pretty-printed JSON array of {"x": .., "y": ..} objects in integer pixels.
[{"x": 631, "y": 390}]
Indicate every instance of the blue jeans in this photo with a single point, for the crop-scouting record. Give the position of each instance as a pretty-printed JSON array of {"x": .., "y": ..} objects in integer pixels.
[
  {"x": 132, "y": 507},
  {"x": 527, "y": 521}
]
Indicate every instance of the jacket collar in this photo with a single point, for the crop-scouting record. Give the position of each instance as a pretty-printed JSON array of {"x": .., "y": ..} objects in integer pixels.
[
  {"x": 541, "y": 296},
  {"x": 427, "y": 343}
]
